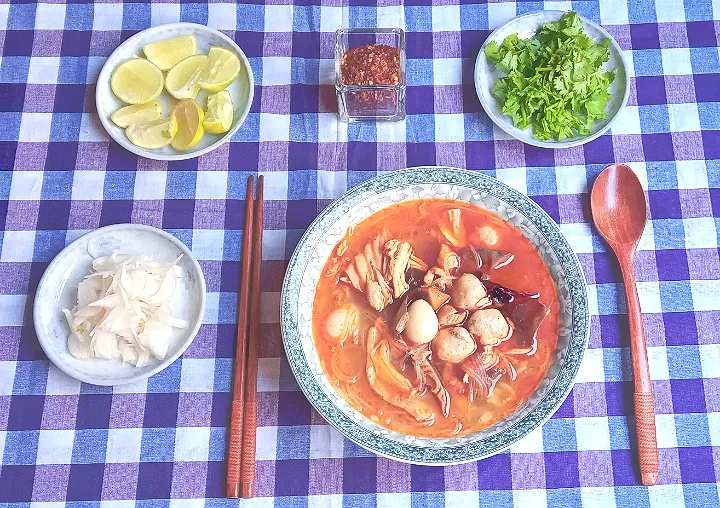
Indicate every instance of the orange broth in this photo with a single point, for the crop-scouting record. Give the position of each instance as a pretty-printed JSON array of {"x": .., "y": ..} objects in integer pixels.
[{"x": 417, "y": 222}]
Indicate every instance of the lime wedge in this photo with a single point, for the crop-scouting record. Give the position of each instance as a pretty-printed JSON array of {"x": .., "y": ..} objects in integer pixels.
[
  {"x": 222, "y": 69},
  {"x": 152, "y": 134},
  {"x": 136, "y": 113},
  {"x": 182, "y": 80},
  {"x": 219, "y": 116},
  {"x": 136, "y": 81},
  {"x": 189, "y": 116},
  {"x": 170, "y": 52}
]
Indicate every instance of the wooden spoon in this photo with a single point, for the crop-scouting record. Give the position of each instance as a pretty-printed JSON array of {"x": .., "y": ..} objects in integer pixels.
[{"x": 619, "y": 210}]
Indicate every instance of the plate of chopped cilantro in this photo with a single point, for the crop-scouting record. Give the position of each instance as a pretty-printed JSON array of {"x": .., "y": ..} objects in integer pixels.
[{"x": 552, "y": 79}]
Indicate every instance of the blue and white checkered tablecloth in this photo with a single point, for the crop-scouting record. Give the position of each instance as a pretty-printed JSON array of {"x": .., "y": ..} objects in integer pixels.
[{"x": 161, "y": 442}]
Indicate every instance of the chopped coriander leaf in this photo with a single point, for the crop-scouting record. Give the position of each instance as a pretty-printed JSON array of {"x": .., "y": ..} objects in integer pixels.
[{"x": 555, "y": 81}]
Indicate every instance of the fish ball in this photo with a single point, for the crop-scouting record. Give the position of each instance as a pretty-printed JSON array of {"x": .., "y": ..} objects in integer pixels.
[
  {"x": 467, "y": 292},
  {"x": 488, "y": 326},
  {"x": 454, "y": 344}
]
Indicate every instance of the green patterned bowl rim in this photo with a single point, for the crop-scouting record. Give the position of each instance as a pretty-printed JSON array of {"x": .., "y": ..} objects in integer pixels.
[{"x": 423, "y": 450}]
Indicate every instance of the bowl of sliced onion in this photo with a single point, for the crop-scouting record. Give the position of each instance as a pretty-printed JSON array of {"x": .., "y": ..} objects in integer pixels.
[{"x": 119, "y": 304}]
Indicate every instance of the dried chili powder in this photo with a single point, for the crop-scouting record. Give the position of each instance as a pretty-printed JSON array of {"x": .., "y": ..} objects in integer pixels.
[{"x": 369, "y": 65}]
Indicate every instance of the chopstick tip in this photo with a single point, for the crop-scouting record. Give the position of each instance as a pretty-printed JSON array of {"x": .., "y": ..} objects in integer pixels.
[{"x": 233, "y": 490}]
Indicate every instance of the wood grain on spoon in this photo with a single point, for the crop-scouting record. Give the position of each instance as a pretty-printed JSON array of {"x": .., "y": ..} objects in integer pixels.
[{"x": 619, "y": 210}]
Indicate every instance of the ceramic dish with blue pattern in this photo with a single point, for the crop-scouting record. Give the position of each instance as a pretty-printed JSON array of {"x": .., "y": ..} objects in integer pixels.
[{"x": 319, "y": 244}]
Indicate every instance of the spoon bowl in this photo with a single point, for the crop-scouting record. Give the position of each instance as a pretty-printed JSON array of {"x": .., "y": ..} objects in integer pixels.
[{"x": 618, "y": 205}]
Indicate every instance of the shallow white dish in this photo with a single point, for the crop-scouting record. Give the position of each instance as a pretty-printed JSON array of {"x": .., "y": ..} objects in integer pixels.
[
  {"x": 58, "y": 289},
  {"x": 241, "y": 90},
  {"x": 525, "y": 26}
]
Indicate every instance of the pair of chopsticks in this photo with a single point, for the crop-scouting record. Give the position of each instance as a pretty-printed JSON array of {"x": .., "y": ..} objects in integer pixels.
[{"x": 243, "y": 416}]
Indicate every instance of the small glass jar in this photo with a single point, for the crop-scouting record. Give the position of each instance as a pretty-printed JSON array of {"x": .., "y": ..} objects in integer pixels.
[{"x": 367, "y": 102}]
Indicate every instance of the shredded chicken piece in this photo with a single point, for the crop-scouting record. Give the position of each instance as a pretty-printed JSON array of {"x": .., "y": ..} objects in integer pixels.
[
  {"x": 396, "y": 260},
  {"x": 455, "y": 219},
  {"x": 448, "y": 259},
  {"x": 359, "y": 270},
  {"x": 377, "y": 290},
  {"x": 438, "y": 388},
  {"x": 437, "y": 278},
  {"x": 449, "y": 316}
]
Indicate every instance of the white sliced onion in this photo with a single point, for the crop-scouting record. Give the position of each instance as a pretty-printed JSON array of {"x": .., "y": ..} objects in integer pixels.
[
  {"x": 122, "y": 310},
  {"x": 78, "y": 349}
]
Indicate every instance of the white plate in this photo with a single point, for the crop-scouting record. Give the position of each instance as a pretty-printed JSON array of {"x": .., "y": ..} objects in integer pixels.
[
  {"x": 58, "y": 289},
  {"x": 241, "y": 90},
  {"x": 525, "y": 26}
]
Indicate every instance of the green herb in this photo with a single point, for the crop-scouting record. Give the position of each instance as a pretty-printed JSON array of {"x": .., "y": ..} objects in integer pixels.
[
  {"x": 80, "y": 329},
  {"x": 555, "y": 82}
]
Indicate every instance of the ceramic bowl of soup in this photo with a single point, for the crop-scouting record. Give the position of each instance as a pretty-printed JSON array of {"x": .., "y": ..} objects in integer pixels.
[{"x": 434, "y": 315}]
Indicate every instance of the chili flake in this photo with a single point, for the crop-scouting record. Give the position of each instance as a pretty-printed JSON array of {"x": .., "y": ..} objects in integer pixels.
[
  {"x": 370, "y": 65},
  {"x": 373, "y": 64}
]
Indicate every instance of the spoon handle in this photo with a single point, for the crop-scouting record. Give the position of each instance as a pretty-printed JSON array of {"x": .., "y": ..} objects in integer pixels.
[{"x": 644, "y": 401}]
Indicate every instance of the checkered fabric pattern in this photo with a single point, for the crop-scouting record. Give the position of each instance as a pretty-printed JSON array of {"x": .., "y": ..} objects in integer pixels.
[{"x": 161, "y": 442}]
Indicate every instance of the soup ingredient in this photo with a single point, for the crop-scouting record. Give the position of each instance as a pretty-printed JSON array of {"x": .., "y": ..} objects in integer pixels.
[
  {"x": 189, "y": 116},
  {"x": 137, "y": 81},
  {"x": 450, "y": 316},
  {"x": 153, "y": 134},
  {"x": 371, "y": 255},
  {"x": 389, "y": 383},
  {"x": 378, "y": 291},
  {"x": 342, "y": 324},
  {"x": 435, "y": 297},
  {"x": 488, "y": 235},
  {"x": 170, "y": 52},
  {"x": 448, "y": 259},
  {"x": 454, "y": 344},
  {"x": 555, "y": 81},
  {"x": 223, "y": 66},
  {"x": 468, "y": 292},
  {"x": 182, "y": 81},
  {"x": 136, "y": 113},
  {"x": 484, "y": 369},
  {"x": 122, "y": 310},
  {"x": 336, "y": 323},
  {"x": 488, "y": 326},
  {"x": 422, "y": 323},
  {"x": 436, "y": 385},
  {"x": 219, "y": 114},
  {"x": 397, "y": 258},
  {"x": 525, "y": 311},
  {"x": 379, "y": 270}
]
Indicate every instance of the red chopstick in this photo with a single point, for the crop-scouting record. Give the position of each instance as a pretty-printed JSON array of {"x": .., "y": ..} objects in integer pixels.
[
  {"x": 236, "y": 414},
  {"x": 250, "y": 415}
]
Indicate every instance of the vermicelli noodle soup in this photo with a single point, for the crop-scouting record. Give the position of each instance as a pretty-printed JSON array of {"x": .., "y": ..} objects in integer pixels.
[{"x": 435, "y": 318}]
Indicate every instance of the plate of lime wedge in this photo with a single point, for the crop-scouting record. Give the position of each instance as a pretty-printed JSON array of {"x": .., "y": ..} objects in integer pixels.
[{"x": 174, "y": 91}]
